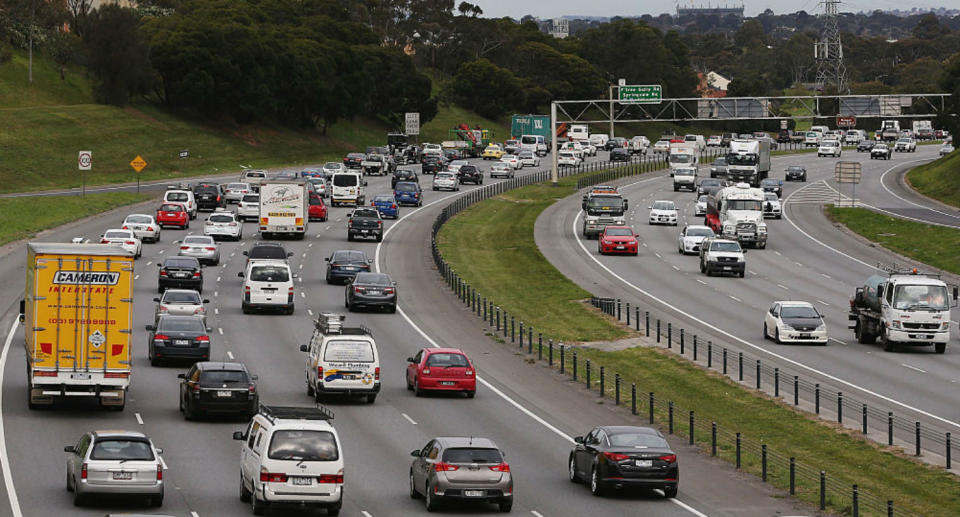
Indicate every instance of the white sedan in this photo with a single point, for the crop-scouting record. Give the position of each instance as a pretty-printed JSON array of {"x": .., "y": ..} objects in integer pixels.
[
  {"x": 794, "y": 322},
  {"x": 701, "y": 205},
  {"x": 946, "y": 149},
  {"x": 125, "y": 238},
  {"x": 663, "y": 212},
  {"x": 529, "y": 159},
  {"x": 223, "y": 224},
  {"x": 691, "y": 237},
  {"x": 567, "y": 159},
  {"x": 143, "y": 226},
  {"x": 330, "y": 168},
  {"x": 455, "y": 165},
  {"x": 512, "y": 160}
]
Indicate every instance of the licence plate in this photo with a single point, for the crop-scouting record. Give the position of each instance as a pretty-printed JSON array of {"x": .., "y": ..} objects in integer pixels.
[
  {"x": 726, "y": 268},
  {"x": 80, "y": 376},
  {"x": 181, "y": 341},
  {"x": 364, "y": 231},
  {"x": 448, "y": 383},
  {"x": 373, "y": 292},
  {"x": 473, "y": 493},
  {"x": 805, "y": 336},
  {"x": 123, "y": 475},
  {"x": 224, "y": 394},
  {"x": 644, "y": 463},
  {"x": 302, "y": 481},
  {"x": 619, "y": 247},
  {"x": 350, "y": 268}
]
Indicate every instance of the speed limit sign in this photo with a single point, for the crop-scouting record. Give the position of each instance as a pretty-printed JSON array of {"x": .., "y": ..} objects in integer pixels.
[{"x": 85, "y": 160}]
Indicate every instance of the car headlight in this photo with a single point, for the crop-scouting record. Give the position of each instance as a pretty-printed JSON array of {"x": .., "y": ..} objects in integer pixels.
[
  {"x": 608, "y": 243},
  {"x": 895, "y": 324},
  {"x": 762, "y": 228},
  {"x": 822, "y": 327},
  {"x": 729, "y": 228}
]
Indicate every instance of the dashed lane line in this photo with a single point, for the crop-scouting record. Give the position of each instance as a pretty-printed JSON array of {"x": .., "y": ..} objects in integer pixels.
[
  {"x": 139, "y": 418},
  {"x": 412, "y": 421}
]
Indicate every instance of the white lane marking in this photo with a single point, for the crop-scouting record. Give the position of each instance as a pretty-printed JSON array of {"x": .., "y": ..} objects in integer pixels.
[
  {"x": 230, "y": 355},
  {"x": 798, "y": 264},
  {"x": 781, "y": 286},
  {"x": 412, "y": 421},
  {"x": 823, "y": 302},
  {"x": 658, "y": 255},
  {"x": 4, "y": 457},
  {"x": 234, "y": 253},
  {"x": 814, "y": 239},
  {"x": 194, "y": 514},
  {"x": 824, "y": 275},
  {"x": 149, "y": 262},
  {"x": 136, "y": 277},
  {"x": 894, "y": 194},
  {"x": 759, "y": 348},
  {"x": 85, "y": 241},
  {"x": 303, "y": 255},
  {"x": 734, "y": 298},
  {"x": 220, "y": 330},
  {"x": 752, "y": 272},
  {"x": 164, "y": 463},
  {"x": 837, "y": 340},
  {"x": 777, "y": 253},
  {"x": 536, "y": 513},
  {"x": 687, "y": 507},
  {"x": 216, "y": 310},
  {"x": 905, "y": 365},
  {"x": 701, "y": 281},
  {"x": 676, "y": 268},
  {"x": 310, "y": 312},
  {"x": 218, "y": 279},
  {"x": 216, "y": 293},
  {"x": 303, "y": 294},
  {"x": 365, "y": 513},
  {"x": 139, "y": 418},
  {"x": 161, "y": 251}
]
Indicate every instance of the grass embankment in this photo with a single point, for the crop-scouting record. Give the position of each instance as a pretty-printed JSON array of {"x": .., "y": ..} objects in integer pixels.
[
  {"x": 21, "y": 218},
  {"x": 491, "y": 245},
  {"x": 938, "y": 179},
  {"x": 933, "y": 245}
]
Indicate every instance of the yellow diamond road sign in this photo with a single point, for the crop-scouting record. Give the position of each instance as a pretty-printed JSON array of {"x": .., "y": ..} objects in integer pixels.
[{"x": 138, "y": 163}]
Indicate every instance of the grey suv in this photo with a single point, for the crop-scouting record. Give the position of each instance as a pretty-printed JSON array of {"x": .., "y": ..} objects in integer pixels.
[
  {"x": 114, "y": 462},
  {"x": 463, "y": 469}
]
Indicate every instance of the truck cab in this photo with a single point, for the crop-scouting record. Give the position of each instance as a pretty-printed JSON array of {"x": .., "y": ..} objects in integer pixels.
[
  {"x": 602, "y": 210},
  {"x": 736, "y": 213},
  {"x": 748, "y": 161}
]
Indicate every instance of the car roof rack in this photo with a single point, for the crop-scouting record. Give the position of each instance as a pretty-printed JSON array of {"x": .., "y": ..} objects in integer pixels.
[
  {"x": 272, "y": 413},
  {"x": 332, "y": 323}
]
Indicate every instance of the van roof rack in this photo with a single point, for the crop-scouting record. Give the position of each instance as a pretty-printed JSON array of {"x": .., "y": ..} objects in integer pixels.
[
  {"x": 332, "y": 323},
  {"x": 272, "y": 413}
]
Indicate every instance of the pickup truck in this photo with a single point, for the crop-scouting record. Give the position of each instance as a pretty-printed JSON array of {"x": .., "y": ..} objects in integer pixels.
[
  {"x": 374, "y": 164},
  {"x": 365, "y": 222}
]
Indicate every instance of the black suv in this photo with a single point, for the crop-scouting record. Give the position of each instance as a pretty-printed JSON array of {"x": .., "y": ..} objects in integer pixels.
[
  {"x": 431, "y": 164},
  {"x": 208, "y": 196},
  {"x": 403, "y": 175},
  {"x": 178, "y": 337},
  {"x": 343, "y": 265},
  {"x": 365, "y": 222},
  {"x": 215, "y": 387},
  {"x": 180, "y": 272},
  {"x": 470, "y": 173},
  {"x": 268, "y": 251},
  {"x": 353, "y": 160}
]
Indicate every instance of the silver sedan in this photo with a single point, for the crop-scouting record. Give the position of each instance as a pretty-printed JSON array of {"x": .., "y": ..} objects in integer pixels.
[
  {"x": 201, "y": 247},
  {"x": 528, "y": 159},
  {"x": 181, "y": 302}
]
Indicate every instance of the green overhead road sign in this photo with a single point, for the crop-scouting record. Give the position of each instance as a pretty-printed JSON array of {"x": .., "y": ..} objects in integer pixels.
[{"x": 641, "y": 94}]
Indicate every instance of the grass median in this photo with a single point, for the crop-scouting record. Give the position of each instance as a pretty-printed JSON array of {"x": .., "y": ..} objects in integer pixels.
[
  {"x": 21, "y": 218},
  {"x": 930, "y": 244},
  {"x": 938, "y": 179},
  {"x": 491, "y": 245}
]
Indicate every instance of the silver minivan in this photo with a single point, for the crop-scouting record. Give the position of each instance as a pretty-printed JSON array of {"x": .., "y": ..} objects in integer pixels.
[
  {"x": 115, "y": 462},
  {"x": 461, "y": 469}
]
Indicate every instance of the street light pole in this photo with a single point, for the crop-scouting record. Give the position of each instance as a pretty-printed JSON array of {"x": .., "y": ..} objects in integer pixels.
[{"x": 554, "y": 172}]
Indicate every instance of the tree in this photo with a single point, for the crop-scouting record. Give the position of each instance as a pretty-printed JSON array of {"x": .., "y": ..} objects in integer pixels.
[
  {"x": 929, "y": 28},
  {"x": 750, "y": 35},
  {"x": 753, "y": 85},
  {"x": 118, "y": 55},
  {"x": 950, "y": 83},
  {"x": 486, "y": 88}
]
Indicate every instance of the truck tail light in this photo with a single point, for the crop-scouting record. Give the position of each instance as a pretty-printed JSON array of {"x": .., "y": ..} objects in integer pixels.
[
  {"x": 272, "y": 477},
  {"x": 613, "y": 456},
  {"x": 443, "y": 467},
  {"x": 376, "y": 374},
  {"x": 252, "y": 388},
  {"x": 330, "y": 478},
  {"x": 83, "y": 471},
  {"x": 159, "y": 472},
  {"x": 116, "y": 375},
  {"x": 503, "y": 467}
]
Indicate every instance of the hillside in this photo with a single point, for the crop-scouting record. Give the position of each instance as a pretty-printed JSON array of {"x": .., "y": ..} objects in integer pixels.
[{"x": 938, "y": 179}]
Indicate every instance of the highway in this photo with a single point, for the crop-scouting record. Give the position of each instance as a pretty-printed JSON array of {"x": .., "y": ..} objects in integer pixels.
[
  {"x": 806, "y": 258},
  {"x": 531, "y": 412}
]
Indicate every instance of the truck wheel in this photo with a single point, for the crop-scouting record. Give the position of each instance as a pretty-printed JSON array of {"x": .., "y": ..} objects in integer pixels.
[{"x": 940, "y": 348}]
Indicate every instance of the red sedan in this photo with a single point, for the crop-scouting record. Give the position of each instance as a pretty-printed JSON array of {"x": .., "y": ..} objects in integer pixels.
[
  {"x": 318, "y": 210},
  {"x": 618, "y": 239},
  {"x": 173, "y": 214},
  {"x": 441, "y": 369}
]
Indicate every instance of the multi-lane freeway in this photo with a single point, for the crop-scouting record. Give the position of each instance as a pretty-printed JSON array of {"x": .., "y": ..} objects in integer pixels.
[{"x": 529, "y": 411}]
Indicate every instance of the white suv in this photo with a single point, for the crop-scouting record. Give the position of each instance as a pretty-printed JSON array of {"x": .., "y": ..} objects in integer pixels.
[
  {"x": 831, "y": 147},
  {"x": 291, "y": 456},
  {"x": 722, "y": 256},
  {"x": 267, "y": 284},
  {"x": 222, "y": 223},
  {"x": 249, "y": 207}
]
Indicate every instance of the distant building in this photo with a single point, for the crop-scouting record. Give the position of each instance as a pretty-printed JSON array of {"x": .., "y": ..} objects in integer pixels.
[
  {"x": 721, "y": 12},
  {"x": 712, "y": 85},
  {"x": 560, "y": 28}
]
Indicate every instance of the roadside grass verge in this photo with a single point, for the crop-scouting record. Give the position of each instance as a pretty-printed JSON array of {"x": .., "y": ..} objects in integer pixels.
[
  {"x": 491, "y": 246},
  {"x": 21, "y": 218},
  {"x": 938, "y": 179},
  {"x": 930, "y": 244}
]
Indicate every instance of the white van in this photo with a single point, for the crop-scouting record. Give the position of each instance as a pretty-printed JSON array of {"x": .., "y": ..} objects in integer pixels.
[
  {"x": 599, "y": 140},
  {"x": 578, "y": 132},
  {"x": 533, "y": 143},
  {"x": 812, "y": 139},
  {"x": 697, "y": 140},
  {"x": 291, "y": 456},
  {"x": 267, "y": 284},
  {"x": 341, "y": 360},
  {"x": 347, "y": 188},
  {"x": 182, "y": 196}
]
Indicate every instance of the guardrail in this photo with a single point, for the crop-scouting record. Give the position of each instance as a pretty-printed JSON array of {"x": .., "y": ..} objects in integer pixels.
[{"x": 740, "y": 450}]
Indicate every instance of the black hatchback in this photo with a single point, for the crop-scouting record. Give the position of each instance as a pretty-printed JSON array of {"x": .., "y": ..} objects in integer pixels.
[
  {"x": 178, "y": 337},
  {"x": 624, "y": 457},
  {"x": 180, "y": 272},
  {"x": 620, "y": 154},
  {"x": 371, "y": 290},
  {"x": 216, "y": 387},
  {"x": 403, "y": 175},
  {"x": 343, "y": 265},
  {"x": 471, "y": 174}
]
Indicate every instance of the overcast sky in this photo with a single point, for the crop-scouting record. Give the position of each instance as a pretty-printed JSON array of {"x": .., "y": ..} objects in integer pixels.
[{"x": 556, "y": 8}]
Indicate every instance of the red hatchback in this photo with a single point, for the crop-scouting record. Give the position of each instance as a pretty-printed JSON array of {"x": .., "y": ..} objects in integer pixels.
[
  {"x": 173, "y": 214},
  {"x": 618, "y": 239},
  {"x": 441, "y": 369},
  {"x": 317, "y": 210}
]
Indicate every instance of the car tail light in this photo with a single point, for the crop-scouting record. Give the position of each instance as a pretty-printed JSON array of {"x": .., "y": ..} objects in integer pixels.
[
  {"x": 426, "y": 371},
  {"x": 319, "y": 372},
  {"x": 203, "y": 339},
  {"x": 669, "y": 458},
  {"x": 443, "y": 467},
  {"x": 330, "y": 478},
  {"x": 272, "y": 477},
  {"x": 252, "y": 388},
  {"x": 196, "y": 389},
  {"x": 232, "y": 224},
  {"x": 124, "y": 227},
  {"x": 208, "y": 248},
  {"x": 376, "y": 373},
  {"x": 104, "y": 241},
  {"x": 83, "y": 471},
  {"x": 184, "y": 247},
  {"x": 503, "y": 467},
  {"x": 149, "y": 228},
  {"x": 380, "y": 223},
  {"x": 468, "y": 373},
  {"x": 166, "y": 309},
  {"x": 359, "y": 290},
  {"x": 613, "y": 456},
  {"x": 161, "y": 337},
  {"x": 196, "y": 274},
  {"x": 199, "y": 310},
  {"x": 373, "y": 204},
  {"x": 163, "y": 272},
  {"x": 393, "y": 206},
  {"x": 388, "y": 290}
]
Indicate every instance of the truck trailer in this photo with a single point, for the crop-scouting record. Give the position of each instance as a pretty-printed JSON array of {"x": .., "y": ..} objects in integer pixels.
[
  {"x": 748, "y": 161},
  {"x": 77, "y": 314},
  {"x": 283, "y": 208}
]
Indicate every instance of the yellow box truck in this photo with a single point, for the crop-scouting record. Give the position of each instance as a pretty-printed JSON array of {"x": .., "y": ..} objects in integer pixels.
[{"x": 78, "y": 322}]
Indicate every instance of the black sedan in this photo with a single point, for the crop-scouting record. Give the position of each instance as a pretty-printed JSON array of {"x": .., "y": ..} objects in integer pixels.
[
  {"x": 470, "y": 174},
  {"x": 616, "y": 143},
  {"x": 796, "y": 172},
  {"x": 178, "y": 337},
  {"x": 180, "y": 272},
  {"x": 353, "y": 160},
  {"x": 431, "y": 164},
  {"x": 772, "y": 185},
  {"x": 865, "y": 146},
  {"x": 710, "y": 185},
  {"x": 624, "y": 457},
  {"x": 620, "y": 154},
  {"x": 371, "y": 290},
  {"x": 403, "y": 175},
  {"x": 215, "y": 387},
  {"x": 343, "y": 265}
]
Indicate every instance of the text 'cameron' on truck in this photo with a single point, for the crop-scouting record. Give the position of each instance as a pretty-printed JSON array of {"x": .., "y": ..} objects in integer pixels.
[
  {"x": 908, "y": 309},
  {"x": 603, "y": 206},
  {"x": 77, "y": 313},
  {"x": 736, "y": 213}
]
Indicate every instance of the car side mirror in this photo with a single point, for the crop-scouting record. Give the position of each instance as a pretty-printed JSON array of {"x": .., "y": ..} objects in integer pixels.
[
  {"x": 326, "y": 259},
  {"x": 649, "y": 208},
  {"x": 289, "y": 253},
  {"x": 181, "y": 376},
  {"x": 369, "y": 261},
  {"x": 206, "y": 300},
  {"x": 246, "y": 253},
  {"x": 159, "y": 450},
  {"x": 364, "y": 183},
  {"x": 151, "y": 328},
  {"x": 69, "y": 448},
  {"x": 304, "y": 348},
  {"x": 411, "y": 360},
  {"x": 208, "y": 329},
  {"x": 240, "y": 274},
  {"x": 626, "y": 204},
  {"x": 415, "y": 453},
  {"x": 156, "y": 300},
  {"x": 238, "y": 435},
  {"x": 578, "y": 439},
  {"x": 744, "y": 250},
  {"x": 159, "y": 265}
]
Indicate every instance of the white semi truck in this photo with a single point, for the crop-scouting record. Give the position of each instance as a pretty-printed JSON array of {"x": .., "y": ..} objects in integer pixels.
[
  {"x": 682, "y": 155},
  {"x": 748, "y": 161},
  {"x": 283, "y": 208},
  {"x": 736, "y": 213}
]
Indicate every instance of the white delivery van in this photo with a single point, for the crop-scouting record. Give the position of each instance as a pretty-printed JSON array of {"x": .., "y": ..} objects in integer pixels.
[
  {"x": 578, "y": 132},
  {"x": 182, "y": 196},
  {"x": 534, "y": 143},
  {"x": 599, "y": 140},
  {"x": 341, "y": 360},
  {"x": 347, "y": 188},
  {"x": 267, "y": 284}
]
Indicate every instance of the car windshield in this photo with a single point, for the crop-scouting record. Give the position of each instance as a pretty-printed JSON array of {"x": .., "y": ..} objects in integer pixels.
[
  {"x": 383, "y": 199},
  {"x": 177, "y": 196},
  {"x": 224, "y": 377},
  {"x": 681, "y": 158},
  {"x": 510, "y": 142},
  {"x": 798, "y": 311},
  {"x": 191, "y": 297},
  {"x": 299, "y": 445},
  {"x": 743, "y": 204},
  {"x": 269, "y": 274},
  {"x": 331, "y": 165},
  {"x": 374, "y": 157},
  {"x": 472, "y": 455},
  {"x": 528, "y": 139},
  {"x": 412, "y": 187},
  {"x": 699, "y": 232},
  {"x": 121, "y": 449},
  {"x": 794, "y": 168},
  {"x": 349, "y": 352},
  {"x": 830, "y": 143},
  {"x": 253, "y": 198},
  {"x": 931, "y": 297},
  {"x": 366, "y": 212},
  {"x": 664, "y": 205},
  {"x": 117, "y": 234},
  {"x": 221, "y": 218},
  {"x": 139, "y": 219},
  {"x": 684, "y": 172},
  {"x": 345, "y": 180},
  {"x": 447, "y": 360},
  {"x": 619, "y": 232},
  {"x": 267, "y": 252},
  {"x": 725, "y": 246},
  {"x": 184, "y": 324},
  {"x": 710, "y": 183},
  {"x": 349, "y": 256},
  {"x": 702, "y": 199},
  {"x": 373, "y": 279},
  {"x": 770, "y": 196},
  {"x": 182, "y": 262},
  {"x": 770, "y": 183},
  {"x": 252, "y": 174},
  {"x": 638, "y": 440},
  {"x": 198, "y": 240},
  {"x": 171, "y": 208},
  {"x": 720, "y": 162}
]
